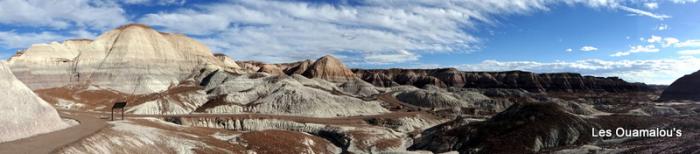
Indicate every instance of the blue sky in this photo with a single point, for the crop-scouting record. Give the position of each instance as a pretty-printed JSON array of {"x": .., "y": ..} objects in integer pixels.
[{"x": 642, "y": 41}]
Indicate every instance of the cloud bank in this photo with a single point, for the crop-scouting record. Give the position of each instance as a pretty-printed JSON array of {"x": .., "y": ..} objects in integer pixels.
[{"x": 282, "y": 31}]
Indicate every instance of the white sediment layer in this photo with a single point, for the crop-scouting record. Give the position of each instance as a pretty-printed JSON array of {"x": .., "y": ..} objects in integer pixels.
[
  {"x": 23, "y": 113},
  {"x": 130, "y": 59},
  {"x": 287, "y": 95}
]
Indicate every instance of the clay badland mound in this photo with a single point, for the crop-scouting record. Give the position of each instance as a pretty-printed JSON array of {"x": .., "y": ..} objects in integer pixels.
[
  {"x": 22, "y": 113},
  {"x": 527, "y": 127},
  {"x": 685, "y": 88},
  {"x": 131, "y": 59},
  {"x": 329, "y": 68}
]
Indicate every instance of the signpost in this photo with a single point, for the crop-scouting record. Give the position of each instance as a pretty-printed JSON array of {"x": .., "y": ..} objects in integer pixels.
[{"x": 118, "y": 105}]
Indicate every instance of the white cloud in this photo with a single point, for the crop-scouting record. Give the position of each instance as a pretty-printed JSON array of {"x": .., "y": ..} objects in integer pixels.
[
  {"x": 569, "y": 50},
  {"x": 662, "y": 27},
  {"x": 651, "y": 5},
  {"x": 14, "y": 40},
  {"x": 643, "y": 13},
  {"x": 292, "y": 30},
  {"x": 654, "y": 39},
  {"x": 398, "y": 57},
  {"x": 636, "y": 49},
  {"x": 588, "y": 48},
  {"x": 684, "y": 1},
  {"x": 669, "y": 41},
  {"x": 189, "y": 22},
  {"x": 155, "y": 2},
  {"x": 663, "y": 41},
  {"x": 83, "y": 34},
  {"x": 10, "y": 39},
  {"x": 286, "y": 30},
  {"x": 689, "y": 52},
  {"x": 662, "y": 71},
  {"x": 688, "y": 43},
  {"x": 62, "y": 14}
]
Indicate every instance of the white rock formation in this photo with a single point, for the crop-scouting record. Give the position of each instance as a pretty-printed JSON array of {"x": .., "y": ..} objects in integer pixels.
[
  {"x": 329, "y": 68},
  {"x": 228, "y": 62},
  {"x": 439, "y": 99},
  {"x": 290, "y": 95},
  {"x": 147, "y": 136},
  {"x": 131, "y": 59},
  {"x": 180, "y": 103},
  {"x": 359, "y": 87},
  {"x": 22, "y": 113}
]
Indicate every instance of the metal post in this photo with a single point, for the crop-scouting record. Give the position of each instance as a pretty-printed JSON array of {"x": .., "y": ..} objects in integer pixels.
[
  {"x": 112, "y": 114},
  {"x": 122, "y": 113}
]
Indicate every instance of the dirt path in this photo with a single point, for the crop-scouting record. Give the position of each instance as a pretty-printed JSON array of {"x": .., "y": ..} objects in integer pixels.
[
  {"x": 49, "y": 142},
  {"x": 91, "y": 123},
  {"x": 349, "y": 120}
]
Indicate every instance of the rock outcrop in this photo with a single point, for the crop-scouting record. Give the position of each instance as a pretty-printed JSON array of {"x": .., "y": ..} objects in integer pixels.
[
  {"x": 271, "y": 69},
  {"x": 525, "y": 128},
  {"x": 329, "y": 68},
  {"x": 227, "y": 61},
  {"x": 533, "y": 82},
  {"x": 685, "y": 88},
  {"x": 283, "y": 94},
  {"x": 440, "y": 99},
  {"x": 298, "y": 67},
  {"x": 23, "y": 113},
  {"x": 131, "y": 59}
]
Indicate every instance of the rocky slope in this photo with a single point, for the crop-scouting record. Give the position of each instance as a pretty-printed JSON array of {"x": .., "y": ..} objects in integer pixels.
[
  {"x": 22, "y": 113},
  {"x": 684, "y": 88},
  {"x": 533, "y": 82},
  {"x": 131, "y": 59},
  {"x": 149, "y": 135},
  {"x": 327, "y": 67},
  {"x": 525, "y": 128},
  {"x": 227, "y": 61},
  {"x": 294, "y": 95}
]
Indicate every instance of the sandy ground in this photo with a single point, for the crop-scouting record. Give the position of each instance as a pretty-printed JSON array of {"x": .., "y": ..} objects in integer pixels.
[
  {"x": 346, "y": 121},
  {"x": 93, "y": 122},
  {"x": 49, "y": 142}
]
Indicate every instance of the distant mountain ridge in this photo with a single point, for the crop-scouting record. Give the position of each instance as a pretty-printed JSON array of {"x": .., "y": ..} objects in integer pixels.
[
  {"x": 533, "y": 82},
  {"x": 451, "y": 77}
]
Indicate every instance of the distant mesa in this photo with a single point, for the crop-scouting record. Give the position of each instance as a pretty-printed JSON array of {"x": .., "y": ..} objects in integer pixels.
[
  {"x": 684, "y": 88},
  {"x": 533, "y": 82}
]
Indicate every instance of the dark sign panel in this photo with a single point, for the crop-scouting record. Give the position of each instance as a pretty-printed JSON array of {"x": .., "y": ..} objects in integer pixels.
[{"x": 119, "y": 105}]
